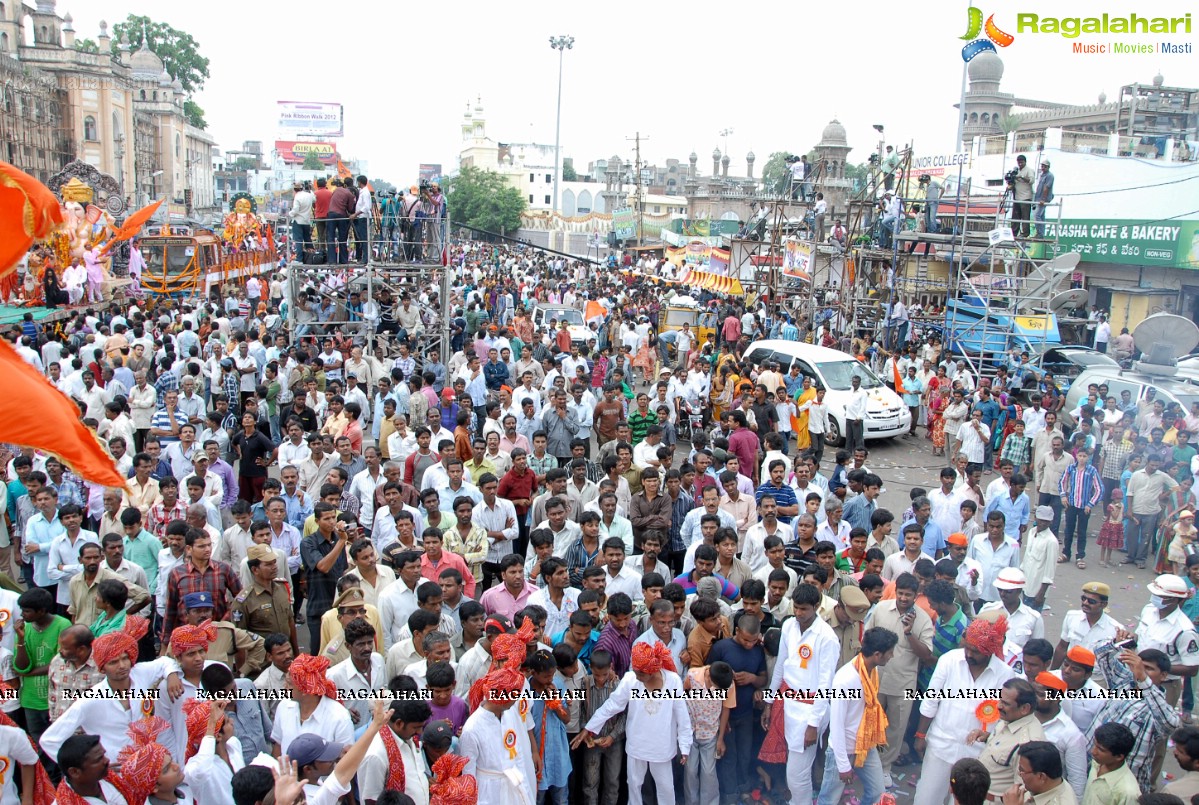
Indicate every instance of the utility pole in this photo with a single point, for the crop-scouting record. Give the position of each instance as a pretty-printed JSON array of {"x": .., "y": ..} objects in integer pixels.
[
  {"x": 640, "y": 199},
  {"x": 560, "y": 44}
]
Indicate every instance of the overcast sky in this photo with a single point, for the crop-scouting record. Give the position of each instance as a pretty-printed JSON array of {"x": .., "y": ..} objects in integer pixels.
[{"x": 680, "y": 73}]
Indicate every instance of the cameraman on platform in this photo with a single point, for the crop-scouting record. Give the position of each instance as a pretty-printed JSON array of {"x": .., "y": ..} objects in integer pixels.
[{"x": 1020, "y": 184}]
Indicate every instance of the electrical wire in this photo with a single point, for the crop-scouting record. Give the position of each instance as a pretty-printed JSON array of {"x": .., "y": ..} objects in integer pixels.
[{"x": 1126, "y": 189}]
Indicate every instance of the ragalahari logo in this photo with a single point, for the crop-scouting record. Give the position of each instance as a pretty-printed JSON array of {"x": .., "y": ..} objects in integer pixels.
[{"x": 974, "y": 26}]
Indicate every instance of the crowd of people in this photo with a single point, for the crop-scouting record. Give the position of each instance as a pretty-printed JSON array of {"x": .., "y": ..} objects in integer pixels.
[{"x": 554, "y": 587}]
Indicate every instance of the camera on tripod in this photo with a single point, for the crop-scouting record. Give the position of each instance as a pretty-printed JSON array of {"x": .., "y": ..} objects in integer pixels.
[{"x": 1010, "y": 176}]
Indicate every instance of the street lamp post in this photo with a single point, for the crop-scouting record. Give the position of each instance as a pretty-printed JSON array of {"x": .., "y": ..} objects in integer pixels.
[{"x": 560, "y": 44}]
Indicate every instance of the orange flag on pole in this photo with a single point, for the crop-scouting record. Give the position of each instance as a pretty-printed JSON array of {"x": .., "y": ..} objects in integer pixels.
[
  {"x": 28, "y": 211},
  {"x": 898, "y": 376},
  {"x": 33, "y": 413},
  {"x": 133, "y": 224}
]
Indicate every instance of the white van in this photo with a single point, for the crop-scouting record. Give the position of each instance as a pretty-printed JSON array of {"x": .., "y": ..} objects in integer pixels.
[{"x": 886, "y": 415}]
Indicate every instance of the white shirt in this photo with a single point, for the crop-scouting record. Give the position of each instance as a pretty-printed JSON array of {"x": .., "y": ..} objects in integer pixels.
[
  {"x": 396, "y": 603},
  {"x": 1034, "y": 421},
  {"x": 108, "y": 717},
  {"x": 855, "y": 407},
  {"x": 627, "y": 581},
  {"x": 1062, "y": 732},
  {"x": 14, "y": 748},
  {"x": 823, "y": 651},
  {"x": 753, "y": 552},
  {"x": 329, "y": 720},
  {"x": 1022, "y": 625},
  {"x": 953, "y": 719},
  {"x": 845, "y": 716},
  {"x": 840, "y": 537},
  {"x": 293, "y": 455},
  {"x": 1174, "y": 634},
  {"x": 1077, "y": 630},
  {"x": 1040, "y": 561},
  {"x": 946, "y": 510},
  {"x": 209, "y": 776},
  {"x": 363, "y": 487},
  {"x": 347, "y": 677},
  {"x": 654, "y": 729},
  {"x": 558, "y": 619},
  {"x": 372, "y": 772},
  {"x": 974, "y": 440}
]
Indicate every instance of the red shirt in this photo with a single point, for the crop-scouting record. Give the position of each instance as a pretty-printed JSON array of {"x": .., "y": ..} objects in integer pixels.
[
  {"x": 431, "y": 572},
  {"x": 744, "y": 444},
  {"x": 513, "y": 487},
  {"x": 563, "y": 338},
  {"x": 323, "y": 195}
]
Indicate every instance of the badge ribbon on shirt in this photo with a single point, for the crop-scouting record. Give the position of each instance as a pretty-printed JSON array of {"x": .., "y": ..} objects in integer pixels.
[
  {"x": 805, "y": 654},
  {"x": 510, "y": 743}
]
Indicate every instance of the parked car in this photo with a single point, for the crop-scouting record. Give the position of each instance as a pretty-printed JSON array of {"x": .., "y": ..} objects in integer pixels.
[
  {"x": 1170, "y": 388},
  {"x": 579, "y": 331},
  {"x": 886, "y": 415}
]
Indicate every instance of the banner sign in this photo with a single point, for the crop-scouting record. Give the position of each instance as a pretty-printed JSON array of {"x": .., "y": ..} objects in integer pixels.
[
  {"x": 699, "y": 256},
  {"x": 311, "y": 119},
  {"x": 1171, "y": 243},
  {"x": 291, "y": 151},
  {"x": 797, "y": 258},
  {"x": 675, "y": 239},
  {"x": 430, "y": 172},
  {"x": 940, "y": 164},
  {"x": 623, "y": 224}
]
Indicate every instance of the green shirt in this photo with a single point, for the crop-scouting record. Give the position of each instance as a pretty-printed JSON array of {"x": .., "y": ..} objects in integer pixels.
[
  {"x": 1183, "y": 455},
  {"x": 142, "y": 551},
  {"x": 639, "y": 425},
  {"x": 41, "y": 645},
  {"x": 105, "y": 624}
]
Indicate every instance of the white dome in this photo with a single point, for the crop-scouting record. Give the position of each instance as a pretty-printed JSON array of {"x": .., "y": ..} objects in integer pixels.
[
  {"x": 834, "y": 133},
  {"x": 145, "y": 63},
  {"x": 986, "y": 66},
  {"x": 1158, "y": 80}
]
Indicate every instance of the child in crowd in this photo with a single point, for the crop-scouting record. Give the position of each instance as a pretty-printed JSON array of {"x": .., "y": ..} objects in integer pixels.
[{"x": 1111, "y": 533}]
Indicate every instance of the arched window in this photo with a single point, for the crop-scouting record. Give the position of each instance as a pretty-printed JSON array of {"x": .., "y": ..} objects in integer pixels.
[
  {"x": 568, "y": 203},
  {"x": 584, "y": 204},
  {"x": 3, "y": 43},
  {"x": 89, "y": 129},
  {"x": 973, "y": 117},
  {"x": 143, "y": 94}
]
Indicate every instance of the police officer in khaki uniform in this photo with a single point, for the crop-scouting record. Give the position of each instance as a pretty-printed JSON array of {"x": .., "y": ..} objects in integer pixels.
[
  {"x": 233, "y": 647},
  {"x": 1017, "y": 725},
  {"x": 350, "y": 604},
  {"x": 264, "y": 608},
  {"x": 846, "y": 620}
]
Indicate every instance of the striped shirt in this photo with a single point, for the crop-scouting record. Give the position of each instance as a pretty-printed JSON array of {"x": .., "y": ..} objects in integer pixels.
[
  {"x": 596, "y": 696},
  {"x": 1115, "y": 454},
  {"x": 947, "y": 635},
  {"x": 784, "y": 495},
  {"x": 1081, "y": 489},
  {"x": 1017, "y": 449},
  {"x": 620, "y": 646}
]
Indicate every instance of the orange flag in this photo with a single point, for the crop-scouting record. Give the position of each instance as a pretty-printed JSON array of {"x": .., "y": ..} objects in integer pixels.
[
  {"x": 898, "y": 376},
  {"x": 28, "y": 211},
  {"x": 133, "y": 224},
  {"x": 33, "y": 413}
]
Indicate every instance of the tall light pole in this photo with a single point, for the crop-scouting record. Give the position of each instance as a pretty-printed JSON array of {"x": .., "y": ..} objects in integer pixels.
[{"x": 560, "y": 44}]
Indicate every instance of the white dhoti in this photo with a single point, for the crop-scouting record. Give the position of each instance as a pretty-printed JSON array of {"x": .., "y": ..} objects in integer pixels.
[
  {"x": 799, "y": 759},
  {"x": 500, "y": 758}
]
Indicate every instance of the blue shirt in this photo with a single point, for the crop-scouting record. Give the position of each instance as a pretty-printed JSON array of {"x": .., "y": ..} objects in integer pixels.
[
  {"x": 299, "y": 506},
  {"x": 934, "y": 538},
  {"x": 1016, "y": 513},
  {"x": 783, "y": 496},
  {"x": 991, "y": 411},
  {"x": 41, "y": 533},
  {"x": 857, "y": 512},
  {"x": 584, "y": 654}
]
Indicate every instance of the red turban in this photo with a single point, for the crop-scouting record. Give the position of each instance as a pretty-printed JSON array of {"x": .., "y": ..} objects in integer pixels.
[
  {"x": 450, "y": 786},
  {"x": 307, "y": 675},
  {"x": 112, "y": 645},
  {"x": 649, "y": 659},
  {"x": 196, "y": 714},
  {"x": 500, "y": 680},
  {"x": 185, "y": 638},
  {"x": 514, "y": 647},
  {"x": 142, "y": 761},
  {"x": 985, "y": 636}
]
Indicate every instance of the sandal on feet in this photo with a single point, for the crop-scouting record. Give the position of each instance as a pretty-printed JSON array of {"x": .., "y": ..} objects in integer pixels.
[{"x": 1081, "y": 564}]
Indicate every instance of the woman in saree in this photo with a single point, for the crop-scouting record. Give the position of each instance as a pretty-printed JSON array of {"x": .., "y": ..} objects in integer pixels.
[
  {"x": 803, "y": 401},
  {"x": 721, "y": 394},
  {"x": 936, "y": 417}
]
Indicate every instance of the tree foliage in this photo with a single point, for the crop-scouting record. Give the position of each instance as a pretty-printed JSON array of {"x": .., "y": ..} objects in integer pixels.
[
  {"x": 87, "y": 46},
  {"x": 482, "y": 199},
  {"x": 776, "y": 175},
  {"x": 194, "y": 114},
  {"x": 180, "y": 53},
  {"x": 568, "y": 171},
  {"x": 312, "y": 162},
  {"x": 382, "y": 186}
]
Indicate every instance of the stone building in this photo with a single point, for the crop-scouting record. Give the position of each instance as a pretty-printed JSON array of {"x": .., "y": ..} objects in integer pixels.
[{"x": 121, "y": 113}]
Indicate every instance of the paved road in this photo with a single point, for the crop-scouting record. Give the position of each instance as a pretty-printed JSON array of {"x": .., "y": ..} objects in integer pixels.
[{"x": 906, "y": 462}]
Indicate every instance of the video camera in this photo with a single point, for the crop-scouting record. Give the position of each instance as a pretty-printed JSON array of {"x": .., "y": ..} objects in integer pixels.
[{"x": 1010, "y": 176}]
